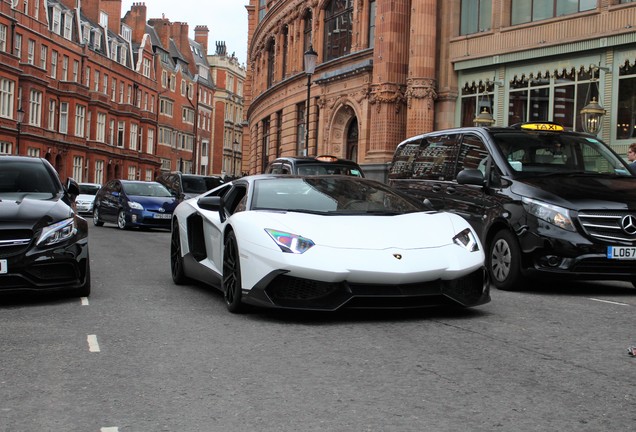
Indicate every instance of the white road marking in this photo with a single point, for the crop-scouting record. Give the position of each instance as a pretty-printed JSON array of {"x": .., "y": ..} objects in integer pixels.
[
  {"x": 610, "y": 302},
  {"x": 93, "y": 346},
  {"x": 84, "y": 301},
  {"x": 109, "y": 429}
]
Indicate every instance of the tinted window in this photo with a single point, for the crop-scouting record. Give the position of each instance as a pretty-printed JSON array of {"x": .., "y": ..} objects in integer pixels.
[
  {"x": 472, "y": 154},
  {"x": 88, "y": 189},
  {"x": 26, "y": 177},
  {"x": 430, "y": 159},
  {"x": 146, "y": 189}
]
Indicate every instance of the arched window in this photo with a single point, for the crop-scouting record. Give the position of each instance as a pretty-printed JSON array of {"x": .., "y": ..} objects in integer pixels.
[
  {"x": 352, "y": 140},
  {"x": 271, "y": 54},
  {"x": 338, "y": 28}
]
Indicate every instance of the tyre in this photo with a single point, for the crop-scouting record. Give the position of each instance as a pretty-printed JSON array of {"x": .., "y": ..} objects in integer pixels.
[
  {"x": 176, "y": 260},
  {"x": 96, "y": 220},
  {"x": 504, "y": 262},
  {"x": 231, "y": 282},
  {"x": 121, "y": 220}
]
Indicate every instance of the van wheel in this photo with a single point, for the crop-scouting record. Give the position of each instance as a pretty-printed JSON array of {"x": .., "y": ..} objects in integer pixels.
[{"x": 504, "y": 262}]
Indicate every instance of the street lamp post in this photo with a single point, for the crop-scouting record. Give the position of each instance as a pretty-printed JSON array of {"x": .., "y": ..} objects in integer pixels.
[
  {"x": 19, "y": 119},
  {"x": 310, "y": 66}
]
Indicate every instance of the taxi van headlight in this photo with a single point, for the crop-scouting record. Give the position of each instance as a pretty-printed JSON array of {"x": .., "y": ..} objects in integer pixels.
[{"x": 555, "y": 215}]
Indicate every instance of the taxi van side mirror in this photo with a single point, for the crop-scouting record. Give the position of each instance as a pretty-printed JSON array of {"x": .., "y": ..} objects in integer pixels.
[{"x": 471, "y": 177}]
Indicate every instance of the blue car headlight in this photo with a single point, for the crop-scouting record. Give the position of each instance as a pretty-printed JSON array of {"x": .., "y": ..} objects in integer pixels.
[
  {"x": 135, "y": 205},
  {"x": 58, "y": 232},
  {"x": 467, "y": 240},
  {"x": 552, "y": 214},
  {"x": 290, "y": 243}
]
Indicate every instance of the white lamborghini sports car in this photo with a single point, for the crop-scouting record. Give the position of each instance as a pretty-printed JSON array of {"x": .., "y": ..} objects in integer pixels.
[{"x": 324, "y": 243}]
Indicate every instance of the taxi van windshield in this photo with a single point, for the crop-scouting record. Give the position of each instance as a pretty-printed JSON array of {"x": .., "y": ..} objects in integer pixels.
[{"x": 536, "y": 153}]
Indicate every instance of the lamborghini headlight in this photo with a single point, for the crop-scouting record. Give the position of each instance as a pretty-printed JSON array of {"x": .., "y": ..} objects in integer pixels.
[
  {"x": 467, "y": 240},
  {"x": 58, "y": 232},
  {"x": 552, "y": 214},
  {"x": 290, "y": 243}
]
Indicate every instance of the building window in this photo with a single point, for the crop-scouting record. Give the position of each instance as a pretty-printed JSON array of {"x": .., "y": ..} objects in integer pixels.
[
  {"x": 111, "y": 132},
  {"x": 271, "y": 56},
  {"x": 56, "y": 25},
  {"x": 100, "y": 133},
  {"x": 78, "y": 168},
  {"x": 150, "y": 141},
  {"x": 80, "y": 119},
  {"x": 307, "y": 31},
  {"x": 625, "y": 108},
  {"x": 262, "y": 9},
  {"x": 559, "y": 97},
  {"x": 44, "y": 53},
  {"x": 54, "y": 64},
  {"x": 88, "y": 77},
  {"x": 33, "y": 152},
  {"x": 475, "y": 16},
  {"x": 68, "y": 26},
  {"x": 3, "y": 38},
  {"x": 146, "y": 68},
  {"x": 121, "y": 126},
  {"x": 132, "y": 173},
  {"x": 75, "y": 71},
  {"x": 6, "y": 148},
  {"x": 99, "y": 172},
  {"x": 300, "y": 128},
  {"x": 338, "y": 28},
  {"x": 17, "y": 47},
  {"x": 52, "y": 105},
  {"x": 132, "y": 144},
  {"x": 372, "y": 12},
  {"x": 6, "y": 98},
  {"x": 64, "y": 117},
  {"x": 165, "y": 107},
  {"x": 64, "y": 68},
  {"x": 523, "y": 11},
  {"x": 31, "y": 52},
  {"x": 35, "y": 108},
  {"x": 187, "y": 115}
]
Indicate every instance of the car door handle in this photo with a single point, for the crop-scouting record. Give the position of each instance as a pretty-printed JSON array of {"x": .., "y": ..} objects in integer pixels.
[
  {"x": 437, "y": 188},
  {"x": 451, "y": 189}
]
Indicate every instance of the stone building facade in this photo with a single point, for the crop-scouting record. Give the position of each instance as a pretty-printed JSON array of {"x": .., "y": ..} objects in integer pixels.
[{"x": 390, "y": 69}]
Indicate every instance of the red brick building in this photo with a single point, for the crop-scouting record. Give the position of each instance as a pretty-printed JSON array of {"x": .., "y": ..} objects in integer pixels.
[{"x": 102, "y": 96}]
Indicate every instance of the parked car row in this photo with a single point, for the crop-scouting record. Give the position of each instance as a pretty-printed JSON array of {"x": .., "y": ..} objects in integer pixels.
[{"x": 462, "y": 208}]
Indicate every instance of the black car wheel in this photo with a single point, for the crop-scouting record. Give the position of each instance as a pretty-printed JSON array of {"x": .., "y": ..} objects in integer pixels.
[
  {"x": 231, "y": 284},
  {"x": 121, "y": 220},
  {"x": 176, "y": 260},
  {"x": 96, "y": 220},
  {"x": 504, "y": 262}
]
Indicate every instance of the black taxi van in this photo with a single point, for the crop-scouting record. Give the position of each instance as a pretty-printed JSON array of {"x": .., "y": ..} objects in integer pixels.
[
  {"x": 314, "y": 165},
  {"x": 547, "y": 203}
]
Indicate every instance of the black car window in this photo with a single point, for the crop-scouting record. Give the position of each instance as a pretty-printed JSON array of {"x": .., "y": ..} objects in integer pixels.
[
  {"x": 436, "y": 158},
  {"x": 26, "y": 177},
  {"x": 472, "y": 154},
  {"x": 402, "y": 166}
]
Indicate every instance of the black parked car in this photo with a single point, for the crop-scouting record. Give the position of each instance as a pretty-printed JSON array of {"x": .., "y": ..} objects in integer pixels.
[
  {"x": 132, "y": 203},
  {"x": 43, "y": 242},
  {"x": 186, "y": 186},
  {"x": 314, "y": 165},
  {"x": 546, "y": 203}
]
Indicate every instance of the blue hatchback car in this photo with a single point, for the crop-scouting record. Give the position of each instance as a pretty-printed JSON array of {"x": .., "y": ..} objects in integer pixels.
[{"x": 131, "y": 203}]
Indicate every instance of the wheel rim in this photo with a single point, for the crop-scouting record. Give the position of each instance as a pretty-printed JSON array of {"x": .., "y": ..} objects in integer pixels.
[
  {"x": 230, "y": 272},
  {"x": 500, "y": 260},
  {"x": 175, "y": 254},
  {"x": 121, "y": 220}
]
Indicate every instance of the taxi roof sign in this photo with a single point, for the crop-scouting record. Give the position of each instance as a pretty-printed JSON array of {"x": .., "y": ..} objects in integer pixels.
[{"x": 550, "y": 127}]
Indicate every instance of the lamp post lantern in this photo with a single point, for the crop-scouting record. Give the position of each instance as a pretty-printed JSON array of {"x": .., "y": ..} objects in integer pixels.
[
  {"x": 19, "y": 120},
  {"x": 310, "y": 66}
]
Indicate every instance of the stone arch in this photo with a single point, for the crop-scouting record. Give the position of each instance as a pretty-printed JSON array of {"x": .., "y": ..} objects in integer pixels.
[{"x": 344, "y": 113}]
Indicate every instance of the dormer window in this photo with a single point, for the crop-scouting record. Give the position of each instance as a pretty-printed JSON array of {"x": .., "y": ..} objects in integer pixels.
[
  {"x": 68, "y": 26},
  {"x": 126, "y": 32},
  {"x": 103, "y": 19},
  {"x": 56, "y": 26}
]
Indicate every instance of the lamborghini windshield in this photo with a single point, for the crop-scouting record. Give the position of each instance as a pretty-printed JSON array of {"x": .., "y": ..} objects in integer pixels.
[{"x": 330, "y": 194}]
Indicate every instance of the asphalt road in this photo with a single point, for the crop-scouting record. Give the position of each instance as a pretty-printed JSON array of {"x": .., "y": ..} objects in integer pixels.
[{"x": 144, "y": 355}]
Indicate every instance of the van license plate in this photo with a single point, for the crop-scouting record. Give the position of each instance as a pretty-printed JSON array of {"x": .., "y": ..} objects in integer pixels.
[
  {"x": 621, "y": 252},
  {"x": 3, "y": 266}
]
